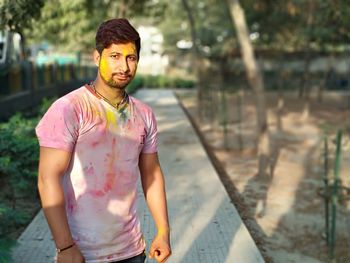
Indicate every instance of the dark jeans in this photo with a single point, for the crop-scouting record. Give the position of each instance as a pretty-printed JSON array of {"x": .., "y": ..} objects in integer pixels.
[{"x": 137, "y": 259}]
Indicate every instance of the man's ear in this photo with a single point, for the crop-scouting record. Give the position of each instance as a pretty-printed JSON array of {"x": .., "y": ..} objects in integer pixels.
[{"x": 97, "y": 58}]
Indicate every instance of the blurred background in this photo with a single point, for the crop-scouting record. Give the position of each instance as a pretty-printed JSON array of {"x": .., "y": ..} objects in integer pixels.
[
  {"x": 265, "y": 83},
  {"x": 299, "y": 45}
]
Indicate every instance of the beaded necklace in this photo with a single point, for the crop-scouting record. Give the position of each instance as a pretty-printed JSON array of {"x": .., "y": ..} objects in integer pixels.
[{"x": 115, "y": 105}]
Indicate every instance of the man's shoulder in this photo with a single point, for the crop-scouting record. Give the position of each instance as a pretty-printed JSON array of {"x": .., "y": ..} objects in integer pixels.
[
  {"x": 72, "y": 96},
  {"x": 69, "y": 101},
  {"x": 75, "y": 93}
]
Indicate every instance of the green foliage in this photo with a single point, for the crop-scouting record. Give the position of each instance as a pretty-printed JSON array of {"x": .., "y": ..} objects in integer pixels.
[
  {"x": 66, "y": 24},
  {"x": 123, "y": 8},
  {"x": 71, "y": 25},
  {"x": 183, "y": 83},
  {"x": 135, "y": 84},
  {"x": 18, "y": 15},
  {"x": 212, "y": 25},
  {"x": 162, "y": 81},
  {"x": 150, "y": 81},
  {"x": 18, "y": 172},
  {"x": 158, "y": 81},
  {"x": 5, "y": 249},
  {"x": 291, "y": 25},
  {"x": 11, "y": 218},
  {"x": 19, "y": 155}
]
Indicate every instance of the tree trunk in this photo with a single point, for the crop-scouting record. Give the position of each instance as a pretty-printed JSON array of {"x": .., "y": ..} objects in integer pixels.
[
  {"x": 23, "y": 54},
  {"x": 199, "y": 64},
  {"x": 305, "y": 87},
  {"x": 255, "y": 80},
  {"x": 306, "y": 76},
  {"x": 282, "y": 77},
  {"x": 122, "y": 9},
  {"x": 327, "y": 73}
]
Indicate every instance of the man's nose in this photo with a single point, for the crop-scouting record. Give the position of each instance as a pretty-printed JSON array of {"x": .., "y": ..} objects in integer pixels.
[{"x": 124, "y": 65}]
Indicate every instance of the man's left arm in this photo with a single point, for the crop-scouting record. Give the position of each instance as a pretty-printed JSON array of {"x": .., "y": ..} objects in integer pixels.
[{"x": 154, "y": 190}]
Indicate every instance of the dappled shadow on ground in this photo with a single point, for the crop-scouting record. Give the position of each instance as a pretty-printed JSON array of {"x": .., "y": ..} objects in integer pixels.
[
  {"x": 283, "y": 211},
  {"x": 235, "y": 197},
  {"x": 205, "y": 225}
]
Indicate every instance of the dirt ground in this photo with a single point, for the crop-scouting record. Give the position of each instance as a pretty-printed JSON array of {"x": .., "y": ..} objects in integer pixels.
[{"x": 283, "y": 212}]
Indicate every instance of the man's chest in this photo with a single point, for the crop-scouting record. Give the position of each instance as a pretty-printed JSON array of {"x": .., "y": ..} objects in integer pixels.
[{"x": 123, "y": 132}]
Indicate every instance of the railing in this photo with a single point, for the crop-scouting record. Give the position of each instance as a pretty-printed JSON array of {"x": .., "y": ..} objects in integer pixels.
[
  {"x": 332, "y": 192},
  {"x": 24, "y": 85}
]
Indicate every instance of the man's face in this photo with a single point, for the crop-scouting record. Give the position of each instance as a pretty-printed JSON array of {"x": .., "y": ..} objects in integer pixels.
[{"x": 117, "y": 64}]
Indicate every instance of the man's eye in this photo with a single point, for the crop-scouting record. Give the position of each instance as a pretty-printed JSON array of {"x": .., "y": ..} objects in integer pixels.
[
  {"x": 132, "y": 58},
  {"x": 115, "y": 56}
]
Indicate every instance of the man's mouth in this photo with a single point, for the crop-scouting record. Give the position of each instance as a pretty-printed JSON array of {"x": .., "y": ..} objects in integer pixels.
[{"x": 121, "y": 77}]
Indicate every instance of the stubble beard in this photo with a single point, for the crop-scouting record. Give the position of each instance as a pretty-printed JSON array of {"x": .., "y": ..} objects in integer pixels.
[{"x": 121, "y": 85}]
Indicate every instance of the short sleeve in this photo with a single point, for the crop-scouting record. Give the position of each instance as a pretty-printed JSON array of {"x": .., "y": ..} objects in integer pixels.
[
  {"x": 151, "y": 141},
  {"x": 59, "y": 127}
]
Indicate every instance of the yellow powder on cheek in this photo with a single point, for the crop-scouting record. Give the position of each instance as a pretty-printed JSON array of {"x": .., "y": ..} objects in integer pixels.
[{"x": 104, "y": 68}]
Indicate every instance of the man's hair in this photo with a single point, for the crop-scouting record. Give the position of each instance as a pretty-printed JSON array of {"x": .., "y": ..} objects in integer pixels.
[{"x": 116, "y": 31}]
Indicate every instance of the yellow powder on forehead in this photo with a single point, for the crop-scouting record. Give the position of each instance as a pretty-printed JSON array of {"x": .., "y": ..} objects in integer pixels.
[{"x": 128, "y": 49}]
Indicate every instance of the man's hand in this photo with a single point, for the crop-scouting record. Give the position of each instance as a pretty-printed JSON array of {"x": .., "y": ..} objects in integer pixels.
[
  {"x": 72, "y": 255},
  {"x": 160, "y": 247}
]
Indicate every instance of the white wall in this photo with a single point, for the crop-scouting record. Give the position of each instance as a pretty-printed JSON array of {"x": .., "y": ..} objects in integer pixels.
[{"x": 152, "y": 61}]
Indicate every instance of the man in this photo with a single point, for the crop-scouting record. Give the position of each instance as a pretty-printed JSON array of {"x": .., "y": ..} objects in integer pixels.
[{"x": 94, "y": 143}]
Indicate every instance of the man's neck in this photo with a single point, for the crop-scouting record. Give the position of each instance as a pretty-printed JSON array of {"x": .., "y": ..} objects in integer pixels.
[{"x": 114, "y": 95}]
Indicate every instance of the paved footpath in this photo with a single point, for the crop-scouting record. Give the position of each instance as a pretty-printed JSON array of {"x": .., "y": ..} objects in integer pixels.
[{"x": 206, "y": 227}]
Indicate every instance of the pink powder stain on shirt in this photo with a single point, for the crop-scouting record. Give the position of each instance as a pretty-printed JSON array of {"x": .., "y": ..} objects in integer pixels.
[
  {"x": 89, "y": 171},
  {"x": 71, "y": 202},
  {"x": 109, "y": 182},
  {"x": 107, "y": 187},
  {"x": 94, "y": 144},
  {"x": 129, "y": 125},
  {"x": 71, "y": 208},
  {"x": 97, "y": 193},
  {"x": 110, "y": 175},
  {"x": 126, "y": 183}
]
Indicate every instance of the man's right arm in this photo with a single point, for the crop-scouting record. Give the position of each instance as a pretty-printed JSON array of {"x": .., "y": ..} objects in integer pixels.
[{"x": 52, "y": 165}]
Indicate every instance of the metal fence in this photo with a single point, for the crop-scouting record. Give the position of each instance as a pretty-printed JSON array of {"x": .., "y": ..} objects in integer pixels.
[{"x": 24, "y": 85}]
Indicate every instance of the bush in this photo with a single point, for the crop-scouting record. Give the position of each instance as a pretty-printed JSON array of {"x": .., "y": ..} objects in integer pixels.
[
  {"x": 156, "y": 82},
  {"x": 135, "y": 84},
  {"x": 19, "y": 154},
  {"x": 162, "y": 81},
  {"x": 5, "y": 249},
  {"x": 183, "y": 83}
]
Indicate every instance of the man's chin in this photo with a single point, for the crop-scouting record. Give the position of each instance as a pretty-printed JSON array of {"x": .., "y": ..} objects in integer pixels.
[{"x": 118, "y": 85}]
